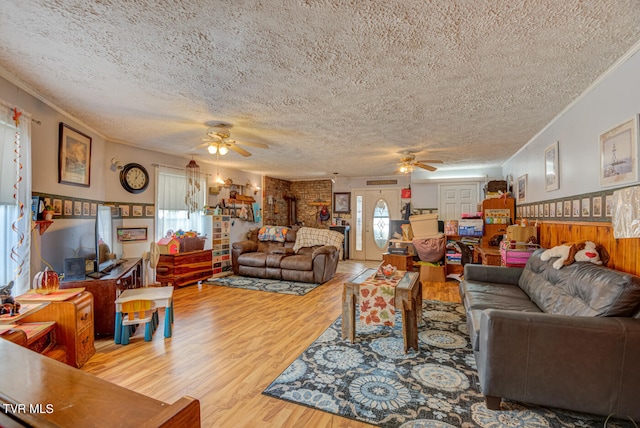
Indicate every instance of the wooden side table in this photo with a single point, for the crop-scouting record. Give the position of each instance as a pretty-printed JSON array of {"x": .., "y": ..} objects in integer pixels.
[
  {"x": 408, "y": 295},
  {"x": 400, "y": 261}
]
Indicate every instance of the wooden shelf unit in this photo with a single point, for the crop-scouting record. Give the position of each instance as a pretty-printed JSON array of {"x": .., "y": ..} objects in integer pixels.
[
  {"x": 489, "y": 230},
  {"x": 221, "y": 245}
]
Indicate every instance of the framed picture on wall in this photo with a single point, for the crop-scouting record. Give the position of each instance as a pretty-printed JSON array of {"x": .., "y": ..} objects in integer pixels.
[
  {"x": 522, "y": 188},
  {"x": 74, "y": 157},
  {"x": 619, "y": 154},
  {"x": 342, "y": 203},
  {"x": 551, "y": 168},
  {"x": 597, "y": 206}
]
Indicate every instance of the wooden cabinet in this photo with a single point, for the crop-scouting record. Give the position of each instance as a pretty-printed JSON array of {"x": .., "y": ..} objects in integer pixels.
[
  {"x": 345, "y": 242},
  {"x": 221, "y": 242},
  {"x": 184, "y": 268},
  {"x": 74, "y": 326},
  {"x": 489, "y": 230},
  {"x": 105, "y": 291},
  {"x": 400, "y": 261}
]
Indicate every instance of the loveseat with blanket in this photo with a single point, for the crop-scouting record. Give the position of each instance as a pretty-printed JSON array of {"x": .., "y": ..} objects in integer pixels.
[
  {"x": 567, "y": 337},
  {"x": 305, "y": 255}
]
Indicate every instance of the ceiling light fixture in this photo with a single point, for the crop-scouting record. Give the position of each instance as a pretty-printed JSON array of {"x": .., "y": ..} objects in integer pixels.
[{"x": 217, "y": 148}]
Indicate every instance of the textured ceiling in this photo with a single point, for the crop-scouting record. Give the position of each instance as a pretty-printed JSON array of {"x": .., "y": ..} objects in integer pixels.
[{"x": 330, "y": 86}]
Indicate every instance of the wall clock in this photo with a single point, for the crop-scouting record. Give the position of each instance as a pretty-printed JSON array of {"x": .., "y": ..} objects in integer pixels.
[{"x": 134, "y": 178}]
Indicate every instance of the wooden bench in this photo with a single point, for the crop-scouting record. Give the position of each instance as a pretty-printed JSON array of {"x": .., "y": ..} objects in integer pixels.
[{"x": 41, "y": 392}]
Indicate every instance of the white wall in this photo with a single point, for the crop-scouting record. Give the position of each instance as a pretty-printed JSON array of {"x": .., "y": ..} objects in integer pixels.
[
  {"x": 68, "y": 238},
  {"x": 613, "y": 100}
]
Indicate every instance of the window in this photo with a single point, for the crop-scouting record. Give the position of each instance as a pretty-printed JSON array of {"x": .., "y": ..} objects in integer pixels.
[
  {"x": 381, "y": 223},
  {"x": 15, "y": 199},
  {"x": 172, "y": 213}
]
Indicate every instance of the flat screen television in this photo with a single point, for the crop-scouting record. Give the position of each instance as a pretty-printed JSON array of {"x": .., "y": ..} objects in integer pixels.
[{"x": 109, "y": 251}]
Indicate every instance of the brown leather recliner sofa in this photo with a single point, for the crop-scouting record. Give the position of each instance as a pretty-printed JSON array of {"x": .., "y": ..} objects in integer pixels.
[
  {"x": 567, "y": 338},
  {"x": 282, "y": 260}
]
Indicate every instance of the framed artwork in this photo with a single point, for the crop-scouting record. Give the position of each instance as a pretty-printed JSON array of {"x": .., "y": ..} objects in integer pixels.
[
  {"x": 552, "y": 209},
  {"x": 586, "y": 207},
  {"x": 77, "y": 208},
  {"x": 74, "y": 157},
  {"x": 576, "y": 208},
  {"x": 57, "y": 207},
  {"x": 522, "y": 188},
  {"x": 149, "y": 211},
  {"x": 137, "y": 210},
  {"x": 94, "y": 209},
  {"x": 608, "y": 205},
  {"x": 546, "y": 209},
  {"x": 124, "y": 210},
  {"x": 619, "y": 154},
  {"x": 559, "y": 208},
  {"x": 567, "y": 209},
  {"x": 68, "y": 207},
  {"x": 597, "y": 206},
  {"x": 86, "y": 208},
  {"x": 342, "y": 203},
  {"x": 551, "y": 168},
  {"x": 128, "y": 234}
]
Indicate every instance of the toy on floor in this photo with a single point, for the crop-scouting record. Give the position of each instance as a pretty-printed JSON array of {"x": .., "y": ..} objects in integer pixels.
[{"x": 580, "y": 251}]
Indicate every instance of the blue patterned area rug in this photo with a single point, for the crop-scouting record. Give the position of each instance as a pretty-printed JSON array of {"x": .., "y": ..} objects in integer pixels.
[
  {"x": 271, "y": 285},
  {"x": 374, "y": 381}
]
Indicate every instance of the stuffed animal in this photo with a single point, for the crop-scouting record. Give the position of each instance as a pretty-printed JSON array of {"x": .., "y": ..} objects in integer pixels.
[{"x": 580, "y": 251}]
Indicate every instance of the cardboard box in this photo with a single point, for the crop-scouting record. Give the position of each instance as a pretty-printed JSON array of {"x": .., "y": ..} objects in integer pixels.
[
  {"x": 521, "y": 233},
  {"x": 424, "y": 225},
  {"x": 467, "y": 227},
  {"x": 431, "y": 273}
]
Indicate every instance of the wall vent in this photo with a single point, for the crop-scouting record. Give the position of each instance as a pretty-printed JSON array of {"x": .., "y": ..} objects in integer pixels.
[{"x": 381, "y": 182}]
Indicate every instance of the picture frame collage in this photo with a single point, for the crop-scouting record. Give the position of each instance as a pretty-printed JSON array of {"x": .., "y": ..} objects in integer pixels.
[
  {"x": 66, "y": 207},
  {"x": 590, "y": 207}
]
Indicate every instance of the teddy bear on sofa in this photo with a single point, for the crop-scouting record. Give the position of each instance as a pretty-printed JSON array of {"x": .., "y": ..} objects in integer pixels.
[{"x": 579, "y": 251}]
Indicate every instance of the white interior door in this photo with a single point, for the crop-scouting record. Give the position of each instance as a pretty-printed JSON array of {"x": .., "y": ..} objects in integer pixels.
[
  {"x": 374, "y": 210},
  {"x": 456, "y": 199}
]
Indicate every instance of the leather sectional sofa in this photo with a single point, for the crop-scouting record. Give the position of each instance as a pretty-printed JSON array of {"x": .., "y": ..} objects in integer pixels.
[
  {"x": 282, "y": 260},
  {"x": 567, "y": 338}
]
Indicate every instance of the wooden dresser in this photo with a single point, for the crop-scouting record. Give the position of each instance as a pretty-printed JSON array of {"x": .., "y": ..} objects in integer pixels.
[
  {"x": 63, "y": 396},
  {"x": 74, "y": 326},
  {"x": 184, "y": 268},
  {"x": 105, "y": 291}
]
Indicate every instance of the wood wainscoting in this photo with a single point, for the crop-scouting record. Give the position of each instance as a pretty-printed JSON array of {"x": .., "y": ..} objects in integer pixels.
[{"x": 623, "y": 253}]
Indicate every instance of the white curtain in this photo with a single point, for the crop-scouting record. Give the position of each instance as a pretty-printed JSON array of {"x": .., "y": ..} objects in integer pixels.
[
  {"x": 171, "y": 209},
  {"x": 15, "y": 197}
]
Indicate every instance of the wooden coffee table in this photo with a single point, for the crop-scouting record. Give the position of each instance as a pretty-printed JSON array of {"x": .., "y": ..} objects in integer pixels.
[{"x": 408, "y": 298}]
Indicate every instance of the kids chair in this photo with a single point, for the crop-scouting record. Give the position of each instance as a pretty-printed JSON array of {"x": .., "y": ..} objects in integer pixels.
[{"x": 138, "y": 312}]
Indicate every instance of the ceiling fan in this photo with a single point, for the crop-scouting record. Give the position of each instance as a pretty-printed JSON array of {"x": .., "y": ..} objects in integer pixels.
[
  {"x": 408, "y": 163},
  {"x": 218, "y": 141}
]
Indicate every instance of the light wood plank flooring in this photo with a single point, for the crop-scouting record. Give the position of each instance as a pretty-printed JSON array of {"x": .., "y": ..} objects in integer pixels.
[{"x": 228, "y": 345}]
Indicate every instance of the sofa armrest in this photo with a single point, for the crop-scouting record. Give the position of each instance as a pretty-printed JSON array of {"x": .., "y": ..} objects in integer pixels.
[
  {"x": 589, "y": 364},
  {"x": 488, "y": 273},
  {"x": 244, "y": 247},
  {"x": 325, "y": 249}
]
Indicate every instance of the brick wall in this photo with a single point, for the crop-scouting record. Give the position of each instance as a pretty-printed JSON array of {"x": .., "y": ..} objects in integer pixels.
[{"x": 306, "y": 194}]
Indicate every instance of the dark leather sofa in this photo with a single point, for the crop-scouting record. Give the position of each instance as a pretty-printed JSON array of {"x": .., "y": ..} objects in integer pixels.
[
  {"x": 567, "y": 338},
  {"x": 277, "y": 260}
]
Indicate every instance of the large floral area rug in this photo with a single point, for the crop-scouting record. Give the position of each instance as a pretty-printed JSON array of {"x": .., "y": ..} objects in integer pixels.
[
  {"x": 271, "y": 285},
  {"x": 374, "y": 381}
]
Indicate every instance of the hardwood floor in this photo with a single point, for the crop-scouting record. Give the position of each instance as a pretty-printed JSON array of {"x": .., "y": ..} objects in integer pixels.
[{"x": 228, "y": 345}]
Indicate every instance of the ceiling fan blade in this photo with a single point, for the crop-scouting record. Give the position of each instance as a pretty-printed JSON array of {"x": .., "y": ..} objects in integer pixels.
[
  {"x": 425, "y": 166},
  {"x": 199, "y": 146},
  {"x": 247, "y": 143},
  {"x": 430, "y": 161},
  {"x": 238, "y": 149}
]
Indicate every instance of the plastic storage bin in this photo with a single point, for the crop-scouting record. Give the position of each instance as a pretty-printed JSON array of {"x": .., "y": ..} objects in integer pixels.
[{"x": 424, "y": 225}]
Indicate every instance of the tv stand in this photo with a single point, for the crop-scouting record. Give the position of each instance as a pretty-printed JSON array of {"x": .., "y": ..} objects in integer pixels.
[{"x": 106, "y": 289}]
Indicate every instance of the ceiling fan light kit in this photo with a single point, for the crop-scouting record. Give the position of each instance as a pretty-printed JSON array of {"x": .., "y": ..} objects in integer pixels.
[
  {"x": 408, "y": 163},
  {"x": 218, "y": 141}
]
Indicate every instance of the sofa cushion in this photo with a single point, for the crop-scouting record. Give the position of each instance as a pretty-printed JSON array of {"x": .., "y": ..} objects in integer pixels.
[
  {"x": 473, "y": 300},
  {"x": 253, "y": 259},
  {"x": 297, "y": 262},
  {"x": 580, "y": 289}
]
